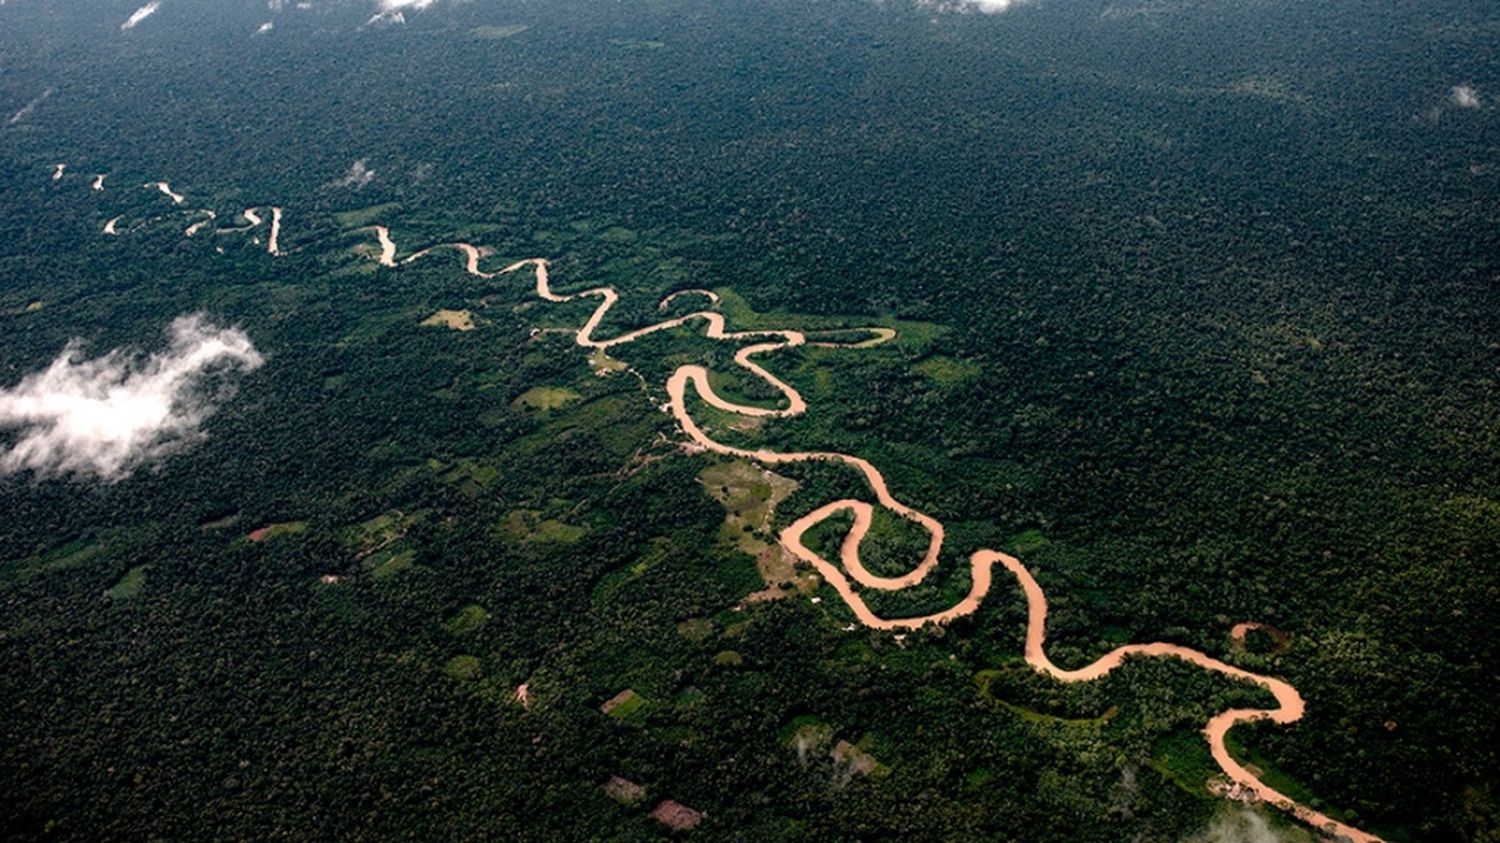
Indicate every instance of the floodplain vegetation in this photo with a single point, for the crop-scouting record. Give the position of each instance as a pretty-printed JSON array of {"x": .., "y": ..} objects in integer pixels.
[{"x": 1193, "y": 315}]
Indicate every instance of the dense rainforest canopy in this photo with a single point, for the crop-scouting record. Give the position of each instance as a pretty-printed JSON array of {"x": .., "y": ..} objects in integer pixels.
[{"x": 1197, "y": 313}]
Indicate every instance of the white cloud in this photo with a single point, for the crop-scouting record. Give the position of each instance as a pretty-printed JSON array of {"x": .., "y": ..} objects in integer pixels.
[
  {"x": 989, "y": 7},
  {"x": 393, "y": 11},
  {"x": 1241, "y": 825},
  {"x": 141, "y": 14},
  {"x": 1464, "y": 96},
  {"x": 265, "y": 27},
  {"x": 107, "y": 416},
  {"x": 358, "y": 176}
]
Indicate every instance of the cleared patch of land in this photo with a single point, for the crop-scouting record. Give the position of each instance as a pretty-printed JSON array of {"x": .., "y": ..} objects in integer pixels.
[
  {"x": 467, "y": 620},
  {"x": 749, "y": 496},
  {"x": 129, "y": 585},
  {"x": 463, "y": 667},
  {"x": 623, "y": 705},
  {"x": 70, "y": 555},
  {"x": 603, "y": 364},
  {"x": 546, "y": 398},
  {"x": 623, "y": 791},
  {"x": 677, "y": 816},
  {"x": 458, "y": 320},
  {"x": 857, "y": 761},
  {"x": 271, "y": 531},
  {"x": 948, "y": 371},
  {"x": 528, "y": 525},
  {"x": 361, "y": 217},
  {"x": 386, "y": 563}
]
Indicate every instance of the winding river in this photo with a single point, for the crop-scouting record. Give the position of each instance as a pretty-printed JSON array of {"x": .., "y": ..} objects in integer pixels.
[
  {"x": 850, "y": 571},
  {"x": 1289, "y": 704},
  {"x": 251, "y": 217}
]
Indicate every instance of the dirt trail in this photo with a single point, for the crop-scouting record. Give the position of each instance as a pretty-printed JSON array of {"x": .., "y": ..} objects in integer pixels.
[{"x": 1289, "y": 704}]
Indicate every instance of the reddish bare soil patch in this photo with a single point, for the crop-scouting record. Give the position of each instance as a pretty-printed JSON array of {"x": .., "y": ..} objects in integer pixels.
[
  {"x": 617, "y": 700},
  {"x": 677, "y": 816}
]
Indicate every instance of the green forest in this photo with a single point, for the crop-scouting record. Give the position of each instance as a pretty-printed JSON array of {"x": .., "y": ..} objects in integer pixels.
[{"x": 1196, "y": 312}]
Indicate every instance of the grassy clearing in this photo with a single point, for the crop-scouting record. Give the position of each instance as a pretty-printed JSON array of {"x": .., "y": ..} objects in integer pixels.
[
  {"x": 466, "y": 620},
  {"x": 458, "y": 320},
  {"x": 808, "y": 735},
  {"x": 744, "y": 490},
  {"x": 463, "y": 668},
  {"x": 749, "y": 496},
  {"x": 1028, "y": 542},
  {"x": 70, "y": 555},
  {"x": 624, "y": 706},
  {"x": 129, "y": 585},
  {"x": 947, "y": 371},
  {"x": 546, "y": 398},
  {"x": 389, "y": 562},
  {"x": 361, "y": 217},
  {"x": 380, "y": 531},
  {"x": 624, "y": 791},
  {"x": 603, "y": 364},
  {"x": 528, "y": 525},
  {"x": 471, "y": 476},
  {"x": 282, "y": 528},
  {"x": 695, "y": 629}
]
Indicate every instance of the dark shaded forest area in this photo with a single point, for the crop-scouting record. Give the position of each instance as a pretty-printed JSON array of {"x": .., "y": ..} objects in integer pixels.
[{"x": 1197, "y": 315}]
